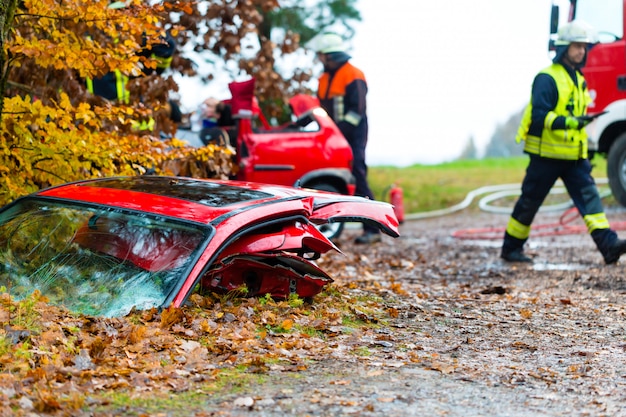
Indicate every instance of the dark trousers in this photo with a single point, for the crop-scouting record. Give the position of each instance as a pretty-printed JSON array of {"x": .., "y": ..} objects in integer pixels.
[
  {"x": 357, "y": 138},
  {"x": 541, "y": 175}
]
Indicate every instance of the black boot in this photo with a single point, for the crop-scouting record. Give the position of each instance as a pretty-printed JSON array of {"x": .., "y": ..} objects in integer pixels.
[
  {"x": 367, "y": 238},
  {"x": 609, "y": 245},
  {"x": 614, "y": 251},
  {"x": 515, "y": 255}
]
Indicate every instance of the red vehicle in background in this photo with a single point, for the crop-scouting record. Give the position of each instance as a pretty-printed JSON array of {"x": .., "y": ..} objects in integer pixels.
[
  {"x": 605, "y": 72},
  {"x": 309, "y": 152}
]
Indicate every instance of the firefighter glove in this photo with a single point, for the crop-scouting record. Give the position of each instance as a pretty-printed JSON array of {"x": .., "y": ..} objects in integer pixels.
[{"x": 577, "y": 122}]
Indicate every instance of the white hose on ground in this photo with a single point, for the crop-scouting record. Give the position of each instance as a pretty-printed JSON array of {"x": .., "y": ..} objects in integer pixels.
[{"x": 496, "y": 192}]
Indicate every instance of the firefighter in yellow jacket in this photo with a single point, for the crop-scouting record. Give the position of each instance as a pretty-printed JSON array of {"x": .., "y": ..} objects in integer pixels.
[
  {"x": 341, "y": 91},
  {"x": 113, "y": 85},
  {"x": 553, "y": 128}
]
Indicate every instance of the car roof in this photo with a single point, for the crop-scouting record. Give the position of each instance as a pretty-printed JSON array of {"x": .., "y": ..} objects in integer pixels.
[{"x": 199, "y": 200}]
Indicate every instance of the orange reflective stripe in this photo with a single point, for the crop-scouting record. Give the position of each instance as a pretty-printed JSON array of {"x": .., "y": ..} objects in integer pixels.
[{"x": 329, "y": 88}]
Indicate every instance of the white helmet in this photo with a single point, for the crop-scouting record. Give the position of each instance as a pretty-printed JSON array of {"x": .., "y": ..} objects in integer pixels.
[
  {"x": 576, "y": 31},
  {"x": 326, "y": 43},
  {"x": 117, "y": 5}
]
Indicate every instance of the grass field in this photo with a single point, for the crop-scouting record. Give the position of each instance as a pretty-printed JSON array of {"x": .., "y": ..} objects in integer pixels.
[{"x": 433, "y": 187}]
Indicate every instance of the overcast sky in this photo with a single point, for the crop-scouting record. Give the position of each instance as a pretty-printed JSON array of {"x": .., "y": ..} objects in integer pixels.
[{"x": 440, "y": 72}]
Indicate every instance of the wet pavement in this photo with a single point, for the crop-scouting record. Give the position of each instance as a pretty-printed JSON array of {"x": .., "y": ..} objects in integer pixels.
[{"x": 467, "y": 334}]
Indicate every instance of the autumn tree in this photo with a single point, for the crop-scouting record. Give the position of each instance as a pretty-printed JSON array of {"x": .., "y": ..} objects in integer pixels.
[
  {"x": 293, "y": 24},
  {"x": 53, "y": 130},
  {"x": 280, "y": 30}
]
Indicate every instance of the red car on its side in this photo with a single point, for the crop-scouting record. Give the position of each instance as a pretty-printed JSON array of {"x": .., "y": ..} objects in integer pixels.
[{"x": 108, "y": 246}]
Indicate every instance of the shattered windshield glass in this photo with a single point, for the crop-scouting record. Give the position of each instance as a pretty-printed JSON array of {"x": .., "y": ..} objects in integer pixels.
[{"x": 93, "y": 260}]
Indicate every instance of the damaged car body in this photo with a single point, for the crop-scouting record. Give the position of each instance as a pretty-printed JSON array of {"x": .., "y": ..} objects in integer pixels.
[{"x": 106, "y": 247}]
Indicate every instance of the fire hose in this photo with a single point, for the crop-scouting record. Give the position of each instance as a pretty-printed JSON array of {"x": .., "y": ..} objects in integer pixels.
[{"x": 493, "y": 193}]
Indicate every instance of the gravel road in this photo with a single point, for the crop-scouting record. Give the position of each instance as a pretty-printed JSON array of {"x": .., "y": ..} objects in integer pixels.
[{"x": 470, "y": 334}]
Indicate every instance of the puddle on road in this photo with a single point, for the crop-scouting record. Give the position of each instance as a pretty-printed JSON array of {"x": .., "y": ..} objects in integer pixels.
[
  {"x": 559, "y": 267},
  {"x": 485, "y": 243},
  {"x": 489, "y": 244}
]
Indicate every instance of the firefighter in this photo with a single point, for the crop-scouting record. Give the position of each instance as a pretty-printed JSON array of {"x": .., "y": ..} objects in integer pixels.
[
  {"x": 112, "y": 85},
  {"x": 553, "y": 128},
  {"x": 342, "y": 91}
]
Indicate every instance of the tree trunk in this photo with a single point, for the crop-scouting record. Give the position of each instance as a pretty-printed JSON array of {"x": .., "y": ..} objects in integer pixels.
[{"x": 7, "y": 11}]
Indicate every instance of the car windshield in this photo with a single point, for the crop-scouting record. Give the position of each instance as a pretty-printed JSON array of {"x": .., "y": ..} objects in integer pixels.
[{"x": 92, "y": 260}]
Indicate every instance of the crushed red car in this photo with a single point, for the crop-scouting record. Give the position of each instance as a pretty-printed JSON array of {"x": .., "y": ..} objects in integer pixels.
[{"x": 109, "y": 246}]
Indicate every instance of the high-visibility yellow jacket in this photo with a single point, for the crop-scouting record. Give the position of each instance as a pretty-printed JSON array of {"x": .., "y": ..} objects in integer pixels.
[
  {"x": 561, "y": 142},
  {"x": 111, "y": 86}
]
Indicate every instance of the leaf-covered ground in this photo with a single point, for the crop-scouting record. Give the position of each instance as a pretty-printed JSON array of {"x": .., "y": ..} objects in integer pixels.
[{"x": 427, "y": 324}]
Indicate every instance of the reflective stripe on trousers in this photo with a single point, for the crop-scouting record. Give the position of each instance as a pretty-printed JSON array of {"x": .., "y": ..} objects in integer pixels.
[{"x": 541, "y": 175}]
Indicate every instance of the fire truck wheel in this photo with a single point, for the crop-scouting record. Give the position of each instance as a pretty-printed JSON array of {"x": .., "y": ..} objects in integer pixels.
[
  {"x": 616, "y": 169},
  {"x": 330, "y": 230}
]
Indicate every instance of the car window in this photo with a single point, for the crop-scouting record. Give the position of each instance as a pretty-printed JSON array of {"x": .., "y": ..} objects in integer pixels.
[{"x": 92, "y": 260}]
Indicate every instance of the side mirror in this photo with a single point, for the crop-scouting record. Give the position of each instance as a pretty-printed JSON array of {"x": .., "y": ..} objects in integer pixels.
[
  {"x": 554, "y": 19},
  {"x": 551, "y": 47}
]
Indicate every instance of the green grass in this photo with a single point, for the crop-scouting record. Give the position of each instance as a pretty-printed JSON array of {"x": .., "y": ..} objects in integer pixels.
[
  {"x": 223, "y": 383},
  {"x": 433, "y": 187}
]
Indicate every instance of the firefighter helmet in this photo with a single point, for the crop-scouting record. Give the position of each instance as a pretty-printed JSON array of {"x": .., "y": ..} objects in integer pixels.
[
  {"x": 327, "y": 43},
  {"x": 576, "y": 31},
  {"x": 117, "y": 5}
]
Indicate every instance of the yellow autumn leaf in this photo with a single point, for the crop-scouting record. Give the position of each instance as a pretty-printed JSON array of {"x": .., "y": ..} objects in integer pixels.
[{"x": 526, "y": 313}]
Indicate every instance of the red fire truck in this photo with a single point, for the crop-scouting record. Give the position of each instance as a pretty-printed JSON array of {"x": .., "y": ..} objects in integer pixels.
[{"x": 605, "y": 72}]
